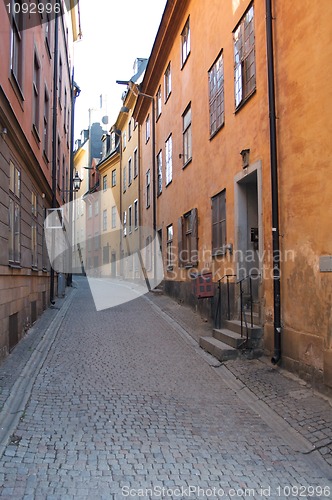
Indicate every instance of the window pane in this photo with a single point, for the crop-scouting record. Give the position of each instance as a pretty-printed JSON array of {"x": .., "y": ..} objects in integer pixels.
[{"x": 244, "y": 58}]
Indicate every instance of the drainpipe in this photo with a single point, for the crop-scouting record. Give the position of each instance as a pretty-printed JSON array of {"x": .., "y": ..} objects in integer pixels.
[
  {"x": 274, "y": 185},
  {"x": 75, "y": 92},
  {"x": 54, "y": 138}
]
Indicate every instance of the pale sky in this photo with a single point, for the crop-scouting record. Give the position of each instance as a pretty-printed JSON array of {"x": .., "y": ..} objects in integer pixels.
[{"x": 115, "y": 33}]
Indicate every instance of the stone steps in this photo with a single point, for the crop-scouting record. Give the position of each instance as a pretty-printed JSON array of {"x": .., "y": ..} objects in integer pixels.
[{"x": 227, "y": 342}]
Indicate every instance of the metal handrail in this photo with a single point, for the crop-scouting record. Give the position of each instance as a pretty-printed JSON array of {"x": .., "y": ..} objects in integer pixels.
[
  {"x": 227, "y": 276},
  {"x": 242, "y": 313},
  {"x": 249, "y": 276}
]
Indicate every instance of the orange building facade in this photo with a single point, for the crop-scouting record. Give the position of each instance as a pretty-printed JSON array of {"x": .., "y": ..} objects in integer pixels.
[
  {"x": 34, "y": 168},
  {"x": 206, "y": 159}
]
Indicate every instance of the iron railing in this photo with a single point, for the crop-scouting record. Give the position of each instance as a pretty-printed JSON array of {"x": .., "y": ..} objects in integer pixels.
[{"x": 242, "y": 291}]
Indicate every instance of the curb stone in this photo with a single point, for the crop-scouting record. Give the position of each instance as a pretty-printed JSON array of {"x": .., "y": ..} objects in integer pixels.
[{"x": 13, "y": 407}]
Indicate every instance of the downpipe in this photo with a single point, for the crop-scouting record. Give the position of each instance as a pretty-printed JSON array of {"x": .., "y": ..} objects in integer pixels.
[{"x": 274, "y": 186}]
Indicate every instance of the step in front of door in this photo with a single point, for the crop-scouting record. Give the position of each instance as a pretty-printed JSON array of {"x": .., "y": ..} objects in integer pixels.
[
  {"x": 229, "y": 337},
  {"x": 218, "y": 349}
]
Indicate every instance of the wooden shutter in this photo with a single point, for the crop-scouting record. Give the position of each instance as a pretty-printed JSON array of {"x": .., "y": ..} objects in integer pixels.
[
  {"x": 180, "y": 239},
  {"x": 194, "y": 237},
  {"x": 214, "y": 225}
]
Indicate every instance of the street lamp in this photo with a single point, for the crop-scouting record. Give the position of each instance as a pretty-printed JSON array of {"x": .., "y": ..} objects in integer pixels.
[{"x": 76, "y": 182}]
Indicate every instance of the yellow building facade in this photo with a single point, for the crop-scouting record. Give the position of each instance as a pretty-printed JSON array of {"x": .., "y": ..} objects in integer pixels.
[
  {"x": 228, "y": 194},
  {"x": 109, "y": 170}
]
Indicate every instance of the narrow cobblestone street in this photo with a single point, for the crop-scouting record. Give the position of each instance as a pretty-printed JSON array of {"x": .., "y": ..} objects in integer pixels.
[{"x": 124, "y": 407}]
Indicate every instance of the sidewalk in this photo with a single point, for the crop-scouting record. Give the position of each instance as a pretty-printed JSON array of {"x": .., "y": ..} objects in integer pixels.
[
  {"x": 307, "y": 412},
  {"x": 19, "y": 369}
]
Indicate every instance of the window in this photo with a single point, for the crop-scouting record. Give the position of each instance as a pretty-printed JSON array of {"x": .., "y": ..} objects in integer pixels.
[
  {"x": 135, "y": 163},
  {"x": 129, "y": 129},
  {"x": 105, "y": 183},
  {"x": 188, "y": 239},
  {"x": 113, "y": 178},
  {"x": 65, "y": 112},
  {"x": 63, "y": 177},
  {"x": 219, "y": 223},
  {"x": 136, "y": 214},
  {"x": 34, "y": 231},
  {"x": 60, "y": 79},
  {"x": 96, "y": 207},
  {"x": 147, "y": 129},
  {"x": 147, "y": 187},
  {"x": 244, "y": 58},
  {"x": 124, "y": 179},
  {"x": 45, "y": 263},
  {"x": 147, "y": 253},
  {"x": 168, "y": 160},
  {"x": 67, "y": 185},
  {"x": 158, "y": 102},
  {"x": 168, "y": 82},
  {"x": 114, "y": 211},
  {"x": 160, "y": 173},
  {"x": 68, "y": 121},
  {"x": 97, "y": 243},
  {"x": 46, "y": 122},
  {"x": 187, "y": 142},
  {"x": 58, "y": 176},
  {"x": 130, "y": 172},
  {"x": 130, "y": 218},
  {"x": 17, "y": 44},
  {"x": 185, "y": 41},
  {"x": 48, "y": 33},
  {"x": 14, "y": 213},
  {"x": 216, "y": 95},
  {"x": 124, "y": 140},
  {"x": 124, "y": 223},
  {"x": 89, "y": 211},
  {"x": 106, "y": 254},
  {"x": 169, "y": 250},
  {"x": 104, "y": 220},
  {"x": 36, "y": 93}
]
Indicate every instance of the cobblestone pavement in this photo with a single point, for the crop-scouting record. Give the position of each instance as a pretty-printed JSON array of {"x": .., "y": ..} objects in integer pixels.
[
  {"x": 124, "y": 407},
  {"x": 293, "y": 399}
]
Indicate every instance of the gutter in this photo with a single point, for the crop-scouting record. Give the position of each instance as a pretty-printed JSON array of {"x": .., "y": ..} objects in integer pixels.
[{"x": 274, "y": 185}]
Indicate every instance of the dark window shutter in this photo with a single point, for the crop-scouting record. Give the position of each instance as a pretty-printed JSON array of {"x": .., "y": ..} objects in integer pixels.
[
  {"x": 180, "y": 238},
  {"x": 194, "y": 237},
  {"x": 218, "y": 222},
  {"x": 214, "y": 225}
]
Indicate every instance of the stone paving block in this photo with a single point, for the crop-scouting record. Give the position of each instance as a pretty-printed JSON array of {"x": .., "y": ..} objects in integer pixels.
[{"x": 121, "y": 400}]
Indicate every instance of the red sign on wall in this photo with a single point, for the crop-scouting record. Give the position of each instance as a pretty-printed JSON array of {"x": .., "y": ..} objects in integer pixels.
[{"x": 203, "y": 286}]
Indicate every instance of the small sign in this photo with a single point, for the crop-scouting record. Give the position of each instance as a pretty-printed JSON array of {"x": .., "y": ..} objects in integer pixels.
[
  {"x": 325, "y": 264},
  {"x": 203, "y": 286}
]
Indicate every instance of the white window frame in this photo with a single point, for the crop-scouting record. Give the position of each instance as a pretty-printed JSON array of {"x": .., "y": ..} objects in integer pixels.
[
  {"x": 185, "y": 42},
  {"x": 136, "y": 214},
  {"x": 168, "y": 81},
  {"x": 187, "y": 135},
  {"x": 159, "y": 173},
  {"x": 168, "y": 160}
]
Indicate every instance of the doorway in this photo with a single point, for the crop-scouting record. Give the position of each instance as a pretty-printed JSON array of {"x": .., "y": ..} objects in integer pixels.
[{"x": 248, "y": 231}]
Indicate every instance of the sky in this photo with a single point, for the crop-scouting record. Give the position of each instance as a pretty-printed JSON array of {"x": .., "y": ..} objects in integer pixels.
[{"x": 114, "y": 33}]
